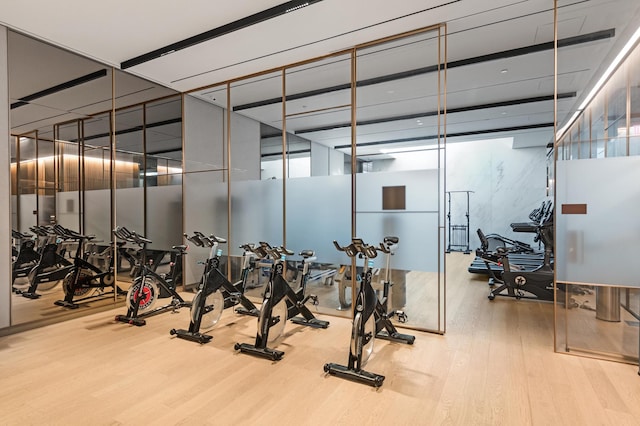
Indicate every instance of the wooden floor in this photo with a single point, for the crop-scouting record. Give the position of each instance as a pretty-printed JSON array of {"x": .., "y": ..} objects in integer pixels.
[{"x": 494, "y": 366}]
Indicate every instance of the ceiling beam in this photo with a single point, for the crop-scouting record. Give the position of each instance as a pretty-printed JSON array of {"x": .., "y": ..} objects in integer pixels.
[
  {"x": 239, "y": 24},
  {"x": 450, "y": 135},
  {"x": 59, "y": 87},
  {"x": 511, "y": 102}
]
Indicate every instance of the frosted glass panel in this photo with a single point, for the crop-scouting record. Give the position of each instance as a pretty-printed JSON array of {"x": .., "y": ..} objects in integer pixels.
[
  {"x": 164, "y": 215},
  {"x": 419, "y": 197},
  {"x": 68, "y": 209},
  {"x": 318, "y": 212},
  {"x": 416, "y": 226},
  {"x": 256, "y": 212},
  {"x": 97, "y": 219},
  {"x": 418, "y": 234},
  {"x": 205, "y": 200},
  {"x": 28, "y": 207},
  {"x": 130, "y": 208},
  {"x": 204, "y": 124},
  {"x": 608, "y": 233}
]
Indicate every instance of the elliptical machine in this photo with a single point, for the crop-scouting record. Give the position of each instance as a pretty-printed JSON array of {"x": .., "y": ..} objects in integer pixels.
[
  {"x": 370, "y": 318},
  {"x": 215, "y": 292},
  {"x": 280, "y": 302}
]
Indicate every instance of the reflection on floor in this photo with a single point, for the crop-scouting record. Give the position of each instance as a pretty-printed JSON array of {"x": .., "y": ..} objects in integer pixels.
[
  {"x": 43, "y": 309},
  {"x": 601, "y": 328}
]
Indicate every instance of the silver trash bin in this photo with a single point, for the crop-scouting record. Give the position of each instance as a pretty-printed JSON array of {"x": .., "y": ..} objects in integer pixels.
[{"x": 608, "y": 304}]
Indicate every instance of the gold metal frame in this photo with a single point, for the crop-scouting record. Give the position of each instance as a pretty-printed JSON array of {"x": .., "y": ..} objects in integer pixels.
[{"x": 441, "y": 31}]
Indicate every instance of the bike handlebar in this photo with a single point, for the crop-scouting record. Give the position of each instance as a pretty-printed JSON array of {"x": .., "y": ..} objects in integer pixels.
[
  {"x": 359, "y": 246},
  {"x": 124, "y": 234}
]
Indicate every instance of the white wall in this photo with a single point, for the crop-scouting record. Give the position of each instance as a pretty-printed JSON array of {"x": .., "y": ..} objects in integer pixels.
[
  {"x": 507, "y": 183},
  {"x": 319, "y": 160},
  {"x": 5, "y": 185},
  {"x": 336, "y": 163}
]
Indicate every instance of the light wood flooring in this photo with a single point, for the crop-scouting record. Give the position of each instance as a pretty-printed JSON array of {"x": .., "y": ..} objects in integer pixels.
[{"x": 494, "y": 366}]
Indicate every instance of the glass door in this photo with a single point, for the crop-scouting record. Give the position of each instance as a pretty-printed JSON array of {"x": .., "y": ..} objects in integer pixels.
[{"x": 399, "y": 167}]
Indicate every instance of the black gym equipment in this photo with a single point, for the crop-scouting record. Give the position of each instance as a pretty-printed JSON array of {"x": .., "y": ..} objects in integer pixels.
[
  {"x": 215, "y": 292},
  {"x": 85, "y": 281},
  {"x": 149, "y": 286},
  {"x": 370, "y": 319},
  {"x": 382, "y": 306},
  {"x": 458, "y": 234},
  {"x": 280, "y": 302},
  {"x": 519, "y": 283},
  {"x": 522, "y": 255},
  {"x": 26, "y": 255},
  {"x": 51, "y": 268}
]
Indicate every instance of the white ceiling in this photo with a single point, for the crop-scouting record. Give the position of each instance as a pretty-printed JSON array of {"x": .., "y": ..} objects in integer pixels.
[{"x": 116, "y": 31}]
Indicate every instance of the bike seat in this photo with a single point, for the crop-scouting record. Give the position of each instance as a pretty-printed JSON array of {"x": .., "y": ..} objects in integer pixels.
[
  {"x": 180, "y": 248},
  {"x": 307, "y": 253},
  {"x": 391, "y": 240}
]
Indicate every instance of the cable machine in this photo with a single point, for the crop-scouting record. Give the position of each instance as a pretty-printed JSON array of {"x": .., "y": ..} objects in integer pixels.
[{"x": 458, "y": 234}]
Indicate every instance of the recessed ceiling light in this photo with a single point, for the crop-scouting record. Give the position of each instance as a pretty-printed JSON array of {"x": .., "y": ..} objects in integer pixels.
[
  {"x": 503, "y": 113},
  {"x": 504, "y": 71}
]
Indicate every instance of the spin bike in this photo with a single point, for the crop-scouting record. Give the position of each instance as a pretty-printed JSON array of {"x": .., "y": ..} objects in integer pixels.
[
  {"x": 370, "y": 318},
  {"x": 280, "y": 302},
  {"x": 215, "y": 292},
  {"x": 149, "y": 286},
  {"x": 26, "y": 256},
  {"x": 51, "y": 268},
  {"x": 85, "y": 281}
]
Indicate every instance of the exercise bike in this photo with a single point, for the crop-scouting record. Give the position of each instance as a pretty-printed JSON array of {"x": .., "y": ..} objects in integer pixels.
[
  {"x": 215, "y": 292},
  {"x": 280, "y": 302},
  {"x": 370, "y": 317},
  {"x": 149, "y": 286},
  {"x": 516, "y": 281},
  {"x": 85, "y": 281},
  {"x": 51, "y": 268},
  {"x": 25, "y": 256}
]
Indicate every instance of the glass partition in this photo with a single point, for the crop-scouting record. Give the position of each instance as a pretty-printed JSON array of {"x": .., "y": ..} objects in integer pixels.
[
  {"x": 399, "y": 183},
  {"x": 130, "y": 169},
  {"x": 163, "y": 171},
  {"x": 596, "y": 281},
  {"x": 256, "y": 205},
  {"x": 318, "y": 205},
  {"x": 205, "y": 174},
  {"x": 69, "y": 211},
  {"x": 97, "y": 177},
  {"x": 26, "y": 171}
]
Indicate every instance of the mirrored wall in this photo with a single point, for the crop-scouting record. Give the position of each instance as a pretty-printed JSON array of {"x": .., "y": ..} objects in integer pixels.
[{"x": 91, "y": 148}]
